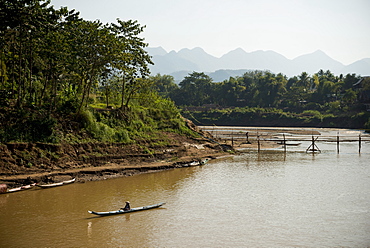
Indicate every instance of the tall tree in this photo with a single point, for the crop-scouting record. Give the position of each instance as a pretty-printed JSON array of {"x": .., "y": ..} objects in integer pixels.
[
  {"x": 92, "y": 52},
  {"x": 131, "y": 61},
  {"x": 196, "y": 88},
  {"x": 24, "y": 22},
  {"x": 304, "y": 81},
  {"x": 164, "y": 84}
]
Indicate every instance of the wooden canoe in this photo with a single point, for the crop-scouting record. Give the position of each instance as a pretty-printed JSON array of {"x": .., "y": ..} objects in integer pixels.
[
  {"x": 57, "y": 184},
  {"x": 204, "y": 161},
  {"x": 288, "y": 144},
  {"x": 121, "y": 211},
  {"x": 194, "y": 163},
  {"x": 14, "y": 190},
  {"x": 29, "y": 186},
  {"x": 50, "y": 185},
  {"x": 25, "y": 187},
  {"x": 197, "y": 163},
  {"x": 69, "y": 181}
]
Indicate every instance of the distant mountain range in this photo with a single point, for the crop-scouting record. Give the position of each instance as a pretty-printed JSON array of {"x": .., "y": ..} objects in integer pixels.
[{"x": 237, "y": 62}]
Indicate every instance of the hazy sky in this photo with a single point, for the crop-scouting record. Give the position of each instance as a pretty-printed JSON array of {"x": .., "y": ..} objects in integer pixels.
[{"x": 340, "y": 28}]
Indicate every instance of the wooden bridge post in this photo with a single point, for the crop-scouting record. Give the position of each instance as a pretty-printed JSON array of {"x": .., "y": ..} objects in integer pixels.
[
  {"x": 313, "y": 147},
  {"x": 247, "y": 134},
  {"x": 313, "y": 144},
  {"x": 284, "y": 142},
  {"x": 359, "y": 143},
  {"x": 338, "y": 142},
  {"x": 258, "y": 142}
]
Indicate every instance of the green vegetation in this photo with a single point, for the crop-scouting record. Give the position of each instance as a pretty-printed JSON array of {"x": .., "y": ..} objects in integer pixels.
[
  {"x": 65, "y": 79},
  {"x": 264, "y": 98}
]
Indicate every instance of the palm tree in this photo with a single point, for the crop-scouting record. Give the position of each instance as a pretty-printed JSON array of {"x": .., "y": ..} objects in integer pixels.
[{"x": 304, "y": 80}]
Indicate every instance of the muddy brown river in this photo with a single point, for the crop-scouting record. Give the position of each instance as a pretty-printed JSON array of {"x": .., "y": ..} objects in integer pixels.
[{"x": 266, "y": 199}]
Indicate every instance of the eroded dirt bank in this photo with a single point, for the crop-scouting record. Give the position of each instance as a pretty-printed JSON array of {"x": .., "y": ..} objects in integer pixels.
[{"x": 26, "y": 163}]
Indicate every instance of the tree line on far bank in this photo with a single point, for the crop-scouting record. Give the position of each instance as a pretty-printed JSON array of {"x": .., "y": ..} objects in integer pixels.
[{"x": 322, "y": 93}]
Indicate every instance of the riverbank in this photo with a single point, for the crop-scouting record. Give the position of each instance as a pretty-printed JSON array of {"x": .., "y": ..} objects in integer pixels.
[
  {"x": 271, "y": 117},
  {"x": 108, "y": 171},
  {"x": 26, "y": 163}
]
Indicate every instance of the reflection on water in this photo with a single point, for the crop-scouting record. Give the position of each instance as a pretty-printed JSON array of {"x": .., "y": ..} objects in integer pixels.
[
  {"x": 89, "y": 229},
  {"x": 267, "y": 199}
]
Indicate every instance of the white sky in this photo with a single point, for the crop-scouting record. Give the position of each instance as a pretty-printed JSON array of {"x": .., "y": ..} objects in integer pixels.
[{"x": 340, "y": 28}]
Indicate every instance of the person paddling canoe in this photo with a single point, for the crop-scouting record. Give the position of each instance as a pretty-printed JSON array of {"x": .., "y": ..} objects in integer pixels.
[{"x": 127, "y": 206}]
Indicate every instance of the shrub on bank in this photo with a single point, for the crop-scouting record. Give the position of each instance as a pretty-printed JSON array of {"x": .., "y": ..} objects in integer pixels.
[{"x": 141, "y": 120}]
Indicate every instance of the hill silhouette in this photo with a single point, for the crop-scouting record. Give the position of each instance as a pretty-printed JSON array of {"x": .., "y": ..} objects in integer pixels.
[{"x": 238, "y": 61}]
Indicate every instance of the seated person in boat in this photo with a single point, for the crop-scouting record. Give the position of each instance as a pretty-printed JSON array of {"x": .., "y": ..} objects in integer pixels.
[{"x": 127, "y": 206}]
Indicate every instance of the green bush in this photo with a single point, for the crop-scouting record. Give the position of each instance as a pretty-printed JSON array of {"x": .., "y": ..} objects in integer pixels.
[
  {"x": 98, "y": 130},
  {"x": 122, "y": 135},
  {"x": 28, "y": 126}
]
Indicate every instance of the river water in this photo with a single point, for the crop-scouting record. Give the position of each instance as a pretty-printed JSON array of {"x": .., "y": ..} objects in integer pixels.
[{"x": 266, "y": 199}]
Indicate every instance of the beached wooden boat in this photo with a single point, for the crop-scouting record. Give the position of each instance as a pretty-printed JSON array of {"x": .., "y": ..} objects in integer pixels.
[
  {"x": 288, "y": 144},
  {"x": 197, "y": 163},
  {"x": 69, "y": 181},
  {"x": 25, "y": 187},
  {"x": 204, "y": 161},
  {"x": 50, "y": 185},
  {"x": 14, "y": 190},
  {"x": 121, "y": 211},
  {"x": 194, "y": 163},
  {"x": 29, "y": 186},
  {"x": 56, "y": 184}
]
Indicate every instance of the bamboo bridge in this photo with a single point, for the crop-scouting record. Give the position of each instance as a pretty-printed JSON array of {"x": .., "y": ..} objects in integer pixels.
[{"x": 261, "y": 138}]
